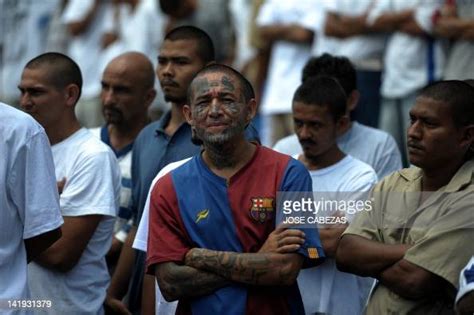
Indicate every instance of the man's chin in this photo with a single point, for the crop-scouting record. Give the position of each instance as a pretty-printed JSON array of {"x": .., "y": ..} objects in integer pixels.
[{"x": 175, "y": 99}]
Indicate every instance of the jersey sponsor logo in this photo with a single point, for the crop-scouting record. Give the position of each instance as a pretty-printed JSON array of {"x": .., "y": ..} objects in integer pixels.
[
  {"x": 262, "y": 209},
  {"x": 313, "y": 253},
  {"x": 203, "y": 214}
]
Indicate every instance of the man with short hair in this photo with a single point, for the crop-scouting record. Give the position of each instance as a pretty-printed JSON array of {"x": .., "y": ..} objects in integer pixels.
[
  {"x": 372, "y": 146},
  {"x": 127, "y": 92},
  {"x": 185, "y": 51},
  {"x": 72, "y": 272},
  {"x": 319, "y": 107},
  {"x": 211, "y": 219},
  {"x": 419, "y": 234},
  {"x": 31, "y": 218}
]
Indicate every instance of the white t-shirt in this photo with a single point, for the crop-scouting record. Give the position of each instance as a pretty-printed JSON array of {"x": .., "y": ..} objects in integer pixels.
[
  {"x": 407, "y": 65},
  {"x": 29, "y": 202},
  {"x": 372, "y": 146},
  {"x": 92, "y": 187},
  {"x": 162, "y": 307},
  {"x": 324, "y": 289},
  {"x": 287, "y": 58}
]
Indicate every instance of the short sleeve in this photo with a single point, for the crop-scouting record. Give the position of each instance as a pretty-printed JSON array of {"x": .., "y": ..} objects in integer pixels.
[
  {"x": 93, "y": 187},
  {"x": 267, "y": 14},
  {"x": 380, "y": 7},
  {"x": 32, "y": 185},
  {"x": 367, "y": 223},
  {"x": 76, "y": 10},
  {"x": 424, "y": 14},
  {"x": 297, "y": 179},
  {"x": 167, "y": 237}
]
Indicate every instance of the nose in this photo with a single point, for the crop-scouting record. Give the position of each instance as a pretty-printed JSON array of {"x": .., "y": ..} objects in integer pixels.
[
  {"x": 166, "y": 69},
  {"x": 107, "y": 97},
  {"x": 215, "y": 108},
  {"x": 304, "y": 132},
  {"x": 414, "y": 130},
  {"x": 25, "y": 99}
]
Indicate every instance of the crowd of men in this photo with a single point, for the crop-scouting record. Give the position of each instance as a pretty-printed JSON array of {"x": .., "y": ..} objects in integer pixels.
[{"x": 182, "y": 215}]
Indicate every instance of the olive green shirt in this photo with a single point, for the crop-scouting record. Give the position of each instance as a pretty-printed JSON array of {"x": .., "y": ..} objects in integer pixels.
[{"x": 440, "y": 230}]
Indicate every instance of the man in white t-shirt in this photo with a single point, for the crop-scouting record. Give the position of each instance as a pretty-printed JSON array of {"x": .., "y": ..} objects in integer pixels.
[
  {"x": 319, "y": 107},
  {"x": 372, "y": 146},
  {"x": 30, "y": 216},
  {"x": 72, "y": 273}
]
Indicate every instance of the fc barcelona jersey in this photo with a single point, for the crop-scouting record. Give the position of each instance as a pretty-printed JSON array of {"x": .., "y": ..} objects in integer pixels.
[{"x": 193, "y": 207}]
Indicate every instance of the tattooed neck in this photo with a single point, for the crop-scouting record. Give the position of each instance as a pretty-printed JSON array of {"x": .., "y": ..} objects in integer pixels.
[{"x": 222, "y": 155}]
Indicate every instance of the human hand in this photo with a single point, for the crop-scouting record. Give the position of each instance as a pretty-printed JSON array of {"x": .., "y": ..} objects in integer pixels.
[
  {"x": 113, "y": 306},
  {"x": 283, "y": 240}
]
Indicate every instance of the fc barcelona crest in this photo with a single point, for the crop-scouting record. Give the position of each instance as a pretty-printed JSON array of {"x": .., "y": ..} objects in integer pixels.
[{"x": 262, "y": 209}]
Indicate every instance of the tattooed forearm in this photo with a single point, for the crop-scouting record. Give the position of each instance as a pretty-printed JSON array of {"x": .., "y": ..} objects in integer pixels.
[
  {"x": 250, "y": 268},
  {"x": 178, "y": 282}
]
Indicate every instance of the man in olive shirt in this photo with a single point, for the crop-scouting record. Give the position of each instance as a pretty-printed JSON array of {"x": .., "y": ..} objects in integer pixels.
[{"x": 418, "y": 235}]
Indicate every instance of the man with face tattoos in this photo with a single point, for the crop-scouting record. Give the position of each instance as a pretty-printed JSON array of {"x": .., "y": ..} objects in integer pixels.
[{"x": 213, "y": 244}]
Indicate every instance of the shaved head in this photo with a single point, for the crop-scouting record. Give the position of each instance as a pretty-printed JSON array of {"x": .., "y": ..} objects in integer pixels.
[{"x": 136, "y": 65}]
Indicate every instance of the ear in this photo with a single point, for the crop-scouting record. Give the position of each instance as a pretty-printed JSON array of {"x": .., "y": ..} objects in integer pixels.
[
  {"x": 71, "y": 94},
  {"x": 467, "y": 139},
  {"x": 252, "y": 109},
  {"x": 188, "y": 114},
  {"x": 341, "y": 124},
  {"x": 150, "y": 97},
  {"x": 352, "y": 100}
]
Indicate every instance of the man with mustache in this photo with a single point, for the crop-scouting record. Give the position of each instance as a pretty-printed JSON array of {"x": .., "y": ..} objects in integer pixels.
[
  {"x": 212, "y": 219},
  {"x": 319, "y": 114},
  {"x": 419, "y": 235},
  {"x": 185, "y": 51},
  {"x": 127, "y": 92}
]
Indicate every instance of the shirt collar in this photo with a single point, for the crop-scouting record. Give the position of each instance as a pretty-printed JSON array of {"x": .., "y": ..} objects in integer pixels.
[{"x": 462, "y": 178}]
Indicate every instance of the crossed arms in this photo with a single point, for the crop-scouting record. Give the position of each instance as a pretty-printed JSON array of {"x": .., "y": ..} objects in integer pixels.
[
  {"x": 205, "y": 270},
  {"x": 386, "y": 262}
]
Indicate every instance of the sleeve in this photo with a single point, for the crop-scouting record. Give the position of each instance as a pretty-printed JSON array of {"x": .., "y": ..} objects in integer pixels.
[
  {"x": 391, "y": 160},
  {"x": 466, "y": 280},
  {"x": 267, "y": 14},
  {"x": 298, "y": 180},
  {"x": 76, "y": 10},
  {"x": 380, "y": 7},
  {"x": 93, "y": 187},
  {"x": 314, "y": 17},
  {"x": 167, "y": 237},
  {"x": 33, "y": 188},
  {"x": 367, "y": 223},
  {"x": 141, "y": 238},
  {"x": 447, "y": 244},
  {"x": 424, "y": 13}
]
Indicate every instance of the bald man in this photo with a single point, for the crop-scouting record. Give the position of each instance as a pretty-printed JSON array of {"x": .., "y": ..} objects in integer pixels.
[{"x": 127, "y": 92}]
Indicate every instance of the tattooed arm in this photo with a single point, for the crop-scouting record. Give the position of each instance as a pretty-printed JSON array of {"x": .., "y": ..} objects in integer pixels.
[
  {"x": 249, "y": 268},
  {"x": 177, "y": 281}
]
